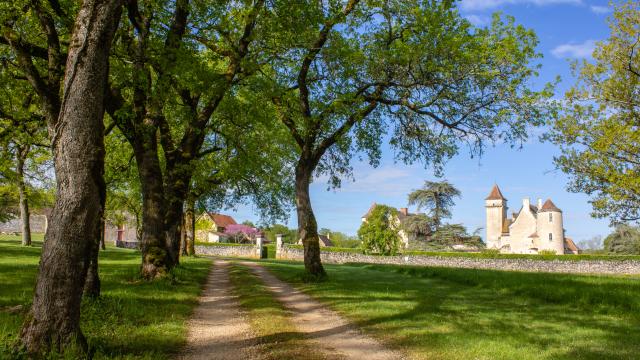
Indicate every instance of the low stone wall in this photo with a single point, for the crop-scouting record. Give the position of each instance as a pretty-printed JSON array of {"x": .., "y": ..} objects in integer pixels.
[
  {"x": 127, "y": 244},
  {"x": 629, "y": 267},
  {"x": 248, "y": 251}
]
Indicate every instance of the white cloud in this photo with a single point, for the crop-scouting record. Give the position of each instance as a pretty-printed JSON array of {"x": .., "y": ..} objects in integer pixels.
[
  {"x": 575, "y": 51},
  {"x": 478, "y": 20},
  {"x": 490, "y": 4},
  {"x": 600, "y": 9}
]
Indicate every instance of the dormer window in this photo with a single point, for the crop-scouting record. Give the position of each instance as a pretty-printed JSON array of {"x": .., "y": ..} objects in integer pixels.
[
  {"x": 550, "y": 236},
  {"x": 550, "y": 217}
]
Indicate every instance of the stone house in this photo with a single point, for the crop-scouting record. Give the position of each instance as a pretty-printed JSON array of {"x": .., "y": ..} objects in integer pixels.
[
  {"x": 325, "y": 240},
  {"x": 210, "y": 227},
  {"x": 402, "y": 215},
  {"x": 532, "y": 229}
]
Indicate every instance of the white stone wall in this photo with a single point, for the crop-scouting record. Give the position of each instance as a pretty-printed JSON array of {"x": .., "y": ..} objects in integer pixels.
[
  {"x": 555, "y": 228},
  {"x": 520, "y": 231},
  {"x": 496, "y": 215}
]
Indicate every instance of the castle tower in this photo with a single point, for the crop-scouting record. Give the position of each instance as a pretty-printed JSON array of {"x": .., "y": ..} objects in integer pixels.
[
  {"x": 550, "y": 228},
  {"x": 496, "y": 206}
]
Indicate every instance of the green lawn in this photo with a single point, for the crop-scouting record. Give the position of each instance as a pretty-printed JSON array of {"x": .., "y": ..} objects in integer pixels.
[
  {"x": 440, "y": 313},
  {"x": 133, "y": 319}
]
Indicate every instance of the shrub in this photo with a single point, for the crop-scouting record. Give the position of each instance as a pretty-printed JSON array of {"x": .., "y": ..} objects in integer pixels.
[
  {"x": 624, "y": 240},
  {"x": 380, "y": 233},
  {"x": 546, "y": 252}
]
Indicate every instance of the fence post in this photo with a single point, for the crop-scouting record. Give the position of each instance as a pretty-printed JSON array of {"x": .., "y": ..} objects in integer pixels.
[
  {"x": 259, "y": 246},
  {"x": 278, "y": 245}
]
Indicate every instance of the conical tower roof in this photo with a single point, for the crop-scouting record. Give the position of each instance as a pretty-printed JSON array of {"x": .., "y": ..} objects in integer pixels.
[
  {"x": 549, "y": 206},
  {"x": 495, "y": 194}
]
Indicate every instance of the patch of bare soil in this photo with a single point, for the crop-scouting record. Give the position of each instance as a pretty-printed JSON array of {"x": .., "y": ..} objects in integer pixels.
[
  {"x": 218, "y": 329},
  {"x": 333, "y": 334}
]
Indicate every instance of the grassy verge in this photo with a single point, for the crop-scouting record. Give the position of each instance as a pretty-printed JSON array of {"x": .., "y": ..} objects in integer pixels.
[
  {"x": 133, "y": 319},
  {"x": 434, "y": 313},
  {"x": 278, "y": 338}
]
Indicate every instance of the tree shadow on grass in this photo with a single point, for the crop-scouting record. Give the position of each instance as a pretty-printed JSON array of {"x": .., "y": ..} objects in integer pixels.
[{"x": 437, "y": 317}]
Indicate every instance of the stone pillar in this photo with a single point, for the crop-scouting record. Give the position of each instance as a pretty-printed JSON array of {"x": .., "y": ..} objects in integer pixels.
[
  {"x": 259, "y": 246},
  {"x": 278, "y": 245}
]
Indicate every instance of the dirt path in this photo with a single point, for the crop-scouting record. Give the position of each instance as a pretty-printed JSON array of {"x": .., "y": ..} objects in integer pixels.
[
  {"x": 329, "y": 330},
  {"x": 218, "y": 329}
]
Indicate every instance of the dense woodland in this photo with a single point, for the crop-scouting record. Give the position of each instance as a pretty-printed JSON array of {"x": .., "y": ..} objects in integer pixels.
[{"x": 166, "y": 108}]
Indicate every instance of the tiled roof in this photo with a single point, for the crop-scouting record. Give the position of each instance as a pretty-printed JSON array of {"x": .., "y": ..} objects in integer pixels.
[
  {"x": 570, "y": 245},
  {"x": 324, "y": 239},
  {"x": 222, "y": 220},
  {"x": 549, "y": 206},
  {"x": 495, "y": 194},
  {"x": 505, "y": 226},
  {"x": 373, "y": 206}
]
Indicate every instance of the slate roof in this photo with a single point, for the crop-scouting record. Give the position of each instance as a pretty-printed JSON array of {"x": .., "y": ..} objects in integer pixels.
[
  {"x": 324, "y": 239},
  {"x": 373, "y": 206},
  {"x": 570, "y": 245}
]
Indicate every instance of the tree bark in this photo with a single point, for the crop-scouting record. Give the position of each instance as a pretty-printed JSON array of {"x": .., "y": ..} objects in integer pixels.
[
  {"x": 183, "y": 237},
  {"x": 178, "y": 178},
  {"x": 78, "y": 148},
  {"x": 190, "y": 225},
  {"x": 92, "y": 282},
  {"x": 307, "y": 225},
  {"x": 156, "y": 261},
  {"x": 22, "y": 191}
]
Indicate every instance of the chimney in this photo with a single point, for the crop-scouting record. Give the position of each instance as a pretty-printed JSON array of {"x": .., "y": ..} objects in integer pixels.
[
  {"x": 526, "y": 203},
  {"x": 404, "y": 211},
  {"x": 539, "y": 204}
]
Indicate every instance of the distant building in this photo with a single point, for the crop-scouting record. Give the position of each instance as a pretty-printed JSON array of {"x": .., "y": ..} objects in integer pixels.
[
  {"x": 323, "y": 239},
  {"x": 210, "y": 227},
  {"x": 402, "y": 215},
  {"x": 532, "y": 229}
]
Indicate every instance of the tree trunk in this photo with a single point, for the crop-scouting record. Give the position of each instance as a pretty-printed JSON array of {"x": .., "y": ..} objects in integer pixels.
[
  {"x": 191, "y": 227},
  {"x": 92, "y": 282},
  {"x": 103, "y": 246},
  {"x": 307, "y": 225},
  {"x": 22, "y": 190},
  {"x": 78, "y": 149},
  {"x": 155, "y": 257},
  {"x": 183, "y": 237},
  {"x": 178, "y": 178}
]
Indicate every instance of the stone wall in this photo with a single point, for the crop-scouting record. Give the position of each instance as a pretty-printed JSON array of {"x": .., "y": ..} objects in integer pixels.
[
  {"x": 37, "y": 223},
  {"x": 631, "y": 267},
  {"x": 248, "y": 251},
  {"x": 127, "y": 244}
]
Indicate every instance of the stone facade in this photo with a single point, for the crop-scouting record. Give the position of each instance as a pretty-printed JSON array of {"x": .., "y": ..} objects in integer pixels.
[
  {"x": 610, "y": 267},
  {"x": 529, "y": 231}
]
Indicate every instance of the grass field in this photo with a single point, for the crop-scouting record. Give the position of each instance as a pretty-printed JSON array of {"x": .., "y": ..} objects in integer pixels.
[
  {"x": 132, "y": 319},
  {"x": 440, "y": 313}
]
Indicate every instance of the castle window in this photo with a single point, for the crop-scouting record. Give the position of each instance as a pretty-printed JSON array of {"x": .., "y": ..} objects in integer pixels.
[
  {"x": 550, "y": 217},
  {"x": 550, "y": 236}
]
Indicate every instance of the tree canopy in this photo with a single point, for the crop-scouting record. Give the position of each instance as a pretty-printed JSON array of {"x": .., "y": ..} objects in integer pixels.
[
  {"x": 598, "y": 132},
  {"x": 380, "y": 232},
  {"x": 437, "y": 198}
]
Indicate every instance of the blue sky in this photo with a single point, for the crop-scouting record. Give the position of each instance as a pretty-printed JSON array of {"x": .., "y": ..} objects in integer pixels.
[{"x": 567, "y": 30}]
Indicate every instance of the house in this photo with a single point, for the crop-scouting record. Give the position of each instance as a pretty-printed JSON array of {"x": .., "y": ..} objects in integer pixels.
[
  {"x": 323, "y": 239},
  {"x": 123, "y": 232},
  {"x": 210, "y": 227},
  {"x": 532, "y": 229},
  {"x": 402, "y": 215}
]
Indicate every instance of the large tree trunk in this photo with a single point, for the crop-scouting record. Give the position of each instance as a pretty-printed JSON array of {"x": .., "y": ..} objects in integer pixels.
[
  {"x": 155, "y": 257},
  {"x": 22, "y": 191},
  {"x": 78, "y": 148},
  {"x": 190, "y": 227},
  {"x": 307, "y": 225},
  {"x": 178, "y": 178},
  {"x": 92, "y": 282},
  {"x": 183, "y": 237}
]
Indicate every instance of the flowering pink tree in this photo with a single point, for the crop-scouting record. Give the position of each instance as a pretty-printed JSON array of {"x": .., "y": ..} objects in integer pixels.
[{"x": 241, "y": 232}]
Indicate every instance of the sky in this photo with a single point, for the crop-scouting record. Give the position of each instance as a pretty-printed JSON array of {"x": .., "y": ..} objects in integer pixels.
[{"x": 567, "y": 30}]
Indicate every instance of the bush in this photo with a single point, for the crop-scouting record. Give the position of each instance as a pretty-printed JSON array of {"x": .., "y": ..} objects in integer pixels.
[
  {"x": 379, "y": 234},
  {"x": 625, "y": 240},
  {"x": 546, "y": 252}
]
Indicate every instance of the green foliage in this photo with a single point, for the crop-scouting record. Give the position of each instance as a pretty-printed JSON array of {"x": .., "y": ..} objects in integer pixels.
[
  {"x": 625, "y": 240},
  {"x": 437, "y": 198},
  {"x": 597, "y": 132},
  {"x": 8, "y": 202},
  {"x": 340, "y": 239},
  {"x": 153, "y": 315},
  {"x": 453, "y": 234},
  {"x": 547, "y": 252},
  {"x": 379, "y": 234},
  {"x": 289, "y": 235},
  {"x": 450, "y": 314}
]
